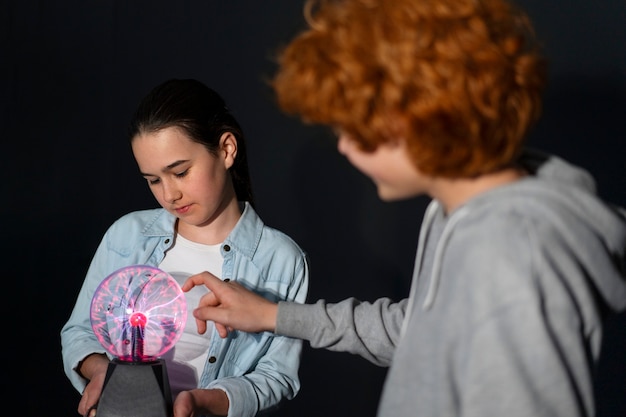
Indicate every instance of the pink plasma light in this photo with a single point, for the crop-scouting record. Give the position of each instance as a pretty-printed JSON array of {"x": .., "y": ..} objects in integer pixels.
[{"x": 138, "y": 313}]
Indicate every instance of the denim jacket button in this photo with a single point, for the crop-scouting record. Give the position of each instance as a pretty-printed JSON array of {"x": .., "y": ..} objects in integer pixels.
[
  {"x": 226, "y": 248},
  {"x": 212, "y": 359}
]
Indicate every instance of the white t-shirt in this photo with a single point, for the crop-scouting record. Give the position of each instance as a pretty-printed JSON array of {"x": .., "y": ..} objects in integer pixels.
[{"x": 186, "y": 360}]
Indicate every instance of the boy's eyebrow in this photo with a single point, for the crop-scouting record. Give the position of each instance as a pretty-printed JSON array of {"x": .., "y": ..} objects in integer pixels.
[{"x": 167, "y": 168}]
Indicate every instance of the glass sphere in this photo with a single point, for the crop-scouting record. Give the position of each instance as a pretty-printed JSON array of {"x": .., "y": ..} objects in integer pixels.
[{"x": 138, "y": 313}]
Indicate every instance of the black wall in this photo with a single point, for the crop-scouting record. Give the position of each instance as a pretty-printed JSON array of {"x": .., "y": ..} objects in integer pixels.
[{"x": 73, "y": 71}]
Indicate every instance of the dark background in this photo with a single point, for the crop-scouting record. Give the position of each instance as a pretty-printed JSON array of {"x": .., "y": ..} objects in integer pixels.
[{"x": 72, "y": 73}]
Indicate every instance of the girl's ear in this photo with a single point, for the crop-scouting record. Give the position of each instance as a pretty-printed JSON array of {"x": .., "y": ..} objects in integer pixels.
[{"x": 228, "y": 148}]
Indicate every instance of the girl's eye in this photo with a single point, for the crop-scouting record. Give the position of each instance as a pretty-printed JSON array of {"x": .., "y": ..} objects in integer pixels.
[
  {"x": 154, "y": 181},
  {"x": 182, "y": 174}
]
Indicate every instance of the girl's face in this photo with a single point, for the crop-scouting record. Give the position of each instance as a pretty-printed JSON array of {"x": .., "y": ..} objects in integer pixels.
[
  {"x": 184, "y": 177},
  {"x": 389, "y": 167}
]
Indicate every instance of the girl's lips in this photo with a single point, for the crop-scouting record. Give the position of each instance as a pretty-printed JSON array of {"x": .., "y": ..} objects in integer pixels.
[{"x": 182, "y": 210}]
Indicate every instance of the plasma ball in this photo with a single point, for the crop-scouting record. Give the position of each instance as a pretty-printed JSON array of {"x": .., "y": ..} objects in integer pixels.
[
  {"x": 138, "y": 312},
  {"x": 138, "y": 319}
]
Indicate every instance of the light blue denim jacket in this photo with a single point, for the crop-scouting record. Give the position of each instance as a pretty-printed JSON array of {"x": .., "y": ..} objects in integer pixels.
[{"x": 257, "y": 371}]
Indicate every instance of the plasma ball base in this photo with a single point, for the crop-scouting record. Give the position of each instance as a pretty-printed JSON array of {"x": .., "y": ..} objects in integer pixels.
[{"x": 135, "y": 389}]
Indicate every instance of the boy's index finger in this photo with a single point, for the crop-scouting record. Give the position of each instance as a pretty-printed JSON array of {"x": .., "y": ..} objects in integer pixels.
[
  {"x": 188, "y": 284},
  {"x": 203, "y": 278}
]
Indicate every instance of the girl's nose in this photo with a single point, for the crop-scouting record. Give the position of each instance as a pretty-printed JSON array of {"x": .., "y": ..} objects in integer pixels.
[{"x": 171, "y": 194}]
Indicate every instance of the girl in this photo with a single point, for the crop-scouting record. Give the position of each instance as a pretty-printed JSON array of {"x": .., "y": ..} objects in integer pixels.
[{"x": 191, "y": 151}]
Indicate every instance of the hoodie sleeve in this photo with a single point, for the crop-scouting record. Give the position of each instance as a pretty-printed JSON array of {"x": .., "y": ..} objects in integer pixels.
[{"x": 371, "y": 330}]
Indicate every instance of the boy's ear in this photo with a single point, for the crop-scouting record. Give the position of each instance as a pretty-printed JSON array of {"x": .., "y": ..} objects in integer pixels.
[{"x": 228, "y": 148}]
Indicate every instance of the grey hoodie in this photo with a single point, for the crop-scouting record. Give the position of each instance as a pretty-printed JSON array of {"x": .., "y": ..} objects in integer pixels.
[{"x": 507, "y": 304}]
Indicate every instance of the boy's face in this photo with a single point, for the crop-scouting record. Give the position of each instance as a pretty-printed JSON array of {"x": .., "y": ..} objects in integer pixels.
[{"x": 389, "y": 167}]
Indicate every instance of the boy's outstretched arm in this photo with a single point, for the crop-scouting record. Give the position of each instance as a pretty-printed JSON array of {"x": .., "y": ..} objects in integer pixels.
[{"x": 231, "y": 306}]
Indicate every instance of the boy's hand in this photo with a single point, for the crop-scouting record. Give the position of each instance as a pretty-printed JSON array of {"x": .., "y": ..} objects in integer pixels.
[{"x": 231, "y": 306}]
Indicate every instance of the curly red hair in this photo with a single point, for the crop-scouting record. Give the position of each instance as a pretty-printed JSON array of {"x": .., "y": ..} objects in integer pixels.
[{"x": 460, "y": 80}]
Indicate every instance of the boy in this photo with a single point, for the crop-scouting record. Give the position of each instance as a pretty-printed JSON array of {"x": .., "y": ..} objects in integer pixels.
[{"x": 518, "y": 261}]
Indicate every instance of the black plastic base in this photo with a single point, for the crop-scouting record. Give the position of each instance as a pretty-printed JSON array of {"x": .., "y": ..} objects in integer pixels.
[{"x": 134, "y": 389}]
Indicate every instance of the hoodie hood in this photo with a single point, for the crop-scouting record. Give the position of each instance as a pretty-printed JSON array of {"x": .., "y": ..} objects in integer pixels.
[
  {"x": 603, "y": 220},
  {"x": 562, "y": 197}
]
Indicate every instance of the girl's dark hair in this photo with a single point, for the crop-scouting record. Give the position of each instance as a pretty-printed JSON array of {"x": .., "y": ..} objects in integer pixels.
[{"x": 202, "y": 114}]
